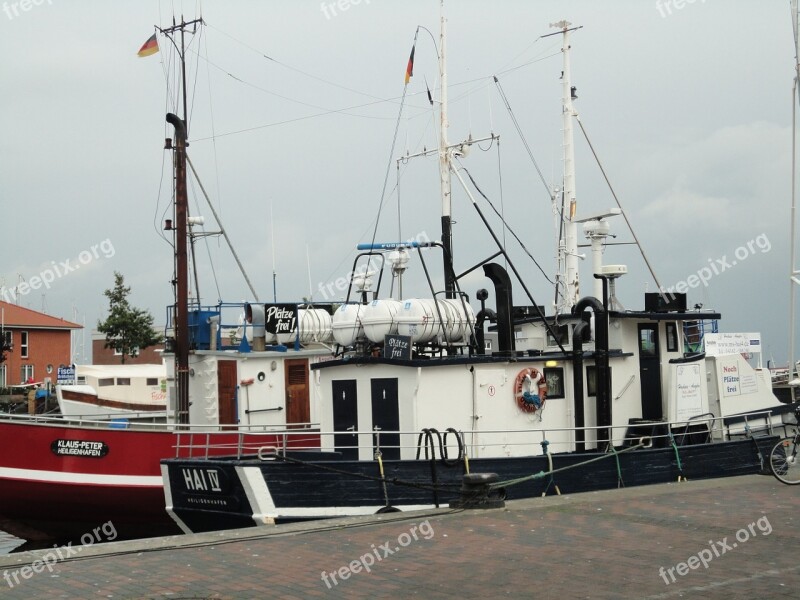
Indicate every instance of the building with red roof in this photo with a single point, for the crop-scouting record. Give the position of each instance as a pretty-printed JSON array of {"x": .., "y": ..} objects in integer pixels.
[{"x": 39, "y": 344}]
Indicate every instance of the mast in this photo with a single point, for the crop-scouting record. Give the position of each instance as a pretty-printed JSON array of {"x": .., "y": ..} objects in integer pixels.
[
  {"x": 181, "y": 283},
  {"x": 444, "y": 164},
  {"x": 568, "y": 246},
  {"x": 182, "y": 272}
]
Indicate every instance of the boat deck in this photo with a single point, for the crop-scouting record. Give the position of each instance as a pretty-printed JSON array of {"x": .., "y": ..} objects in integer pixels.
[{"x": 723, "y": 538}]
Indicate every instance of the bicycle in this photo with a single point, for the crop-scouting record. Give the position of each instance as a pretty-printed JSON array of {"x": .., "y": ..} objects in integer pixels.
[{"x": 783, "y": 460}]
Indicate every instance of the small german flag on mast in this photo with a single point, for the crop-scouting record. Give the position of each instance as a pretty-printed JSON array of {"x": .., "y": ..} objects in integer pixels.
[
  {"x": 149, "y": 47},
  {"x": 410, "y": 67}
]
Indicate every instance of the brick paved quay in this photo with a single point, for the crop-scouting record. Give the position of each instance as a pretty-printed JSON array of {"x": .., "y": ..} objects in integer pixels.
[{"x": 728, "y": 538}]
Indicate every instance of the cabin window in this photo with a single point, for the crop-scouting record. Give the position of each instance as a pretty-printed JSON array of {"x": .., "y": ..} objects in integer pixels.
[
  {"x": 672, "y": 337},
  {"x": 555, "y": 382},
  {"x": 26, "y": 373},
  {"x": 647, "y": 342},
  {"x": 123, "y": 380},
  {"x": 591, "y": 380},
  {"x": 106, "y": 381},
  {"x": 23, "y": 344},
  {"x": 562, "y": 336},
  {"x": 152, "y": 381}
]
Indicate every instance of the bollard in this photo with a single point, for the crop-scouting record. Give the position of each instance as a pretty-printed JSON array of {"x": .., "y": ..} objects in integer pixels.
[{"x": 476, "y": 493}]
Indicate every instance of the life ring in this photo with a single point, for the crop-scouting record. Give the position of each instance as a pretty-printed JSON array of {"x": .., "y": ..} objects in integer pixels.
[{"x": 530, "y": 390}]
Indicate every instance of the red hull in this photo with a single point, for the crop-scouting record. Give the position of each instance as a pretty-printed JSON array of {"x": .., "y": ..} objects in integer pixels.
[{"x": 61, "y": 481}]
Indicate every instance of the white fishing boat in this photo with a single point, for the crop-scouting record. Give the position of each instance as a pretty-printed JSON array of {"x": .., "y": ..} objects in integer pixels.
[
  {"x": 413, "y": 408},
  {"x": 115, "y": 391}
]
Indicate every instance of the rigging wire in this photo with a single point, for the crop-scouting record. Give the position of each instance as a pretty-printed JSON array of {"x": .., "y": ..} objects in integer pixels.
[
  {"x": 624, "y": 215},
  {"x": 296, "y": 70},
  {"x": 510, "y": 230},
  {"x": 166, "y": 68},
  {"x": 521, "y": 135},
  {"x": 289, "y": 99},
  {"x": 196, "y": 79},
  {"x": 502, "y": 205},
  {"x": 216, "y": 164},
  {"x": 222, "y": 228},
  {"x": 342, "y": 110},
  {"x": 191, "y": 246},
  {"x": 391, "y": 152}
]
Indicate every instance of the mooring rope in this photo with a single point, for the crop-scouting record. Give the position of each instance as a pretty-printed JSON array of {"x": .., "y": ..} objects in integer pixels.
[
  {"x": 551, "y": 472},
  {"x": 681, "y": 476}
]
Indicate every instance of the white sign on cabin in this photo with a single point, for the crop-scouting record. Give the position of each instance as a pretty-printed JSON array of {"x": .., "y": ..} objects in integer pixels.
[
  {"x": 689, "y": 399},
  {"x": 720, "y": 344},
  {"x": 748, "y": 383}
]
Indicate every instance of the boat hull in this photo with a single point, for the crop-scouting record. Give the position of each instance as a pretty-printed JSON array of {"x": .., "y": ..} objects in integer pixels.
[
  {"x": 59, "y": 481},
  {"x": 253, "y": 492}
]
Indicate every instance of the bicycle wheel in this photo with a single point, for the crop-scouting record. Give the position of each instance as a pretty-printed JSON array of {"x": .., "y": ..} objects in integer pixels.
[{"x": 784, "y": 463}]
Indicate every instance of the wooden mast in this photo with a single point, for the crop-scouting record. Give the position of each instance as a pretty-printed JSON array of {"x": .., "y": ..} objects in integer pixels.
[
  {"x": 181, "y": 272},
  {"x": 181, "y": 283}
]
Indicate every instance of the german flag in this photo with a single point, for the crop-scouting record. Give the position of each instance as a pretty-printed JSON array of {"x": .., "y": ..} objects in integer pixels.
[
  {"x": 410, "y": 67},
  {"x": 149, "y": 47}
]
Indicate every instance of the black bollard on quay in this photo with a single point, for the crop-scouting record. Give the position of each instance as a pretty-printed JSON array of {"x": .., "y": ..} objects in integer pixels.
[{"x": 476, "y": 492}]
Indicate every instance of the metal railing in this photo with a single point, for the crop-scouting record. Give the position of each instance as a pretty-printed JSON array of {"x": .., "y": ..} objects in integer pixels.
[{"x": 477, "y": 443}]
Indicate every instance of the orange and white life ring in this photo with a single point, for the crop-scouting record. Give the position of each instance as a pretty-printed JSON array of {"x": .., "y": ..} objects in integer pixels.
[{"x": 530, "y": 390}]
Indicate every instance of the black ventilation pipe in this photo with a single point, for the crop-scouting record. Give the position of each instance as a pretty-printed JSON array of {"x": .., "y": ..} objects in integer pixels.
[
  {"x": 577, "y": 383},
  {"x": 502, "y": 291},
  {"x": 603, "y": 398}
]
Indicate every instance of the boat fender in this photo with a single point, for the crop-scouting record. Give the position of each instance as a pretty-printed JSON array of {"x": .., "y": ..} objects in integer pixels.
[{"x": 530, "y": 390}]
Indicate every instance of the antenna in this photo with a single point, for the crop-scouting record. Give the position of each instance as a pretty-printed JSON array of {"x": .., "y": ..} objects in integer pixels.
[
  {"x": 20, "y": 279},
  {"x": 274, "y": 260},
  {"x": 182, "y": 27},
  {"x": 308, "y": 265}
]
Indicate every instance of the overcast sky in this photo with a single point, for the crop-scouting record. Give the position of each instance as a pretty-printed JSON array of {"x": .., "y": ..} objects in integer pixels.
[{"x": 688, "y": 108}]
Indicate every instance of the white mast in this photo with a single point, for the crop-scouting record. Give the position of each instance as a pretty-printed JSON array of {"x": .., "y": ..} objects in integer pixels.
[
  {"x": 444, "y": 159},
  {"x": 569, "y": 244}
]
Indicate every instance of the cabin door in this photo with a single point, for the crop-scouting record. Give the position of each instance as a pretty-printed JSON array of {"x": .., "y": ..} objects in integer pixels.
[
  {"x": 386, "y": 417},
  {"x": 650, "y": 372},
  {"x": 226, "y": 392},
  {"x": 298, "y": 409},
  {"x": 345, "y": 418}
]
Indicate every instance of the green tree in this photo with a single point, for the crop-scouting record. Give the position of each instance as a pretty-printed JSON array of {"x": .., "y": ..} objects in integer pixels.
[
  {"x": 5, "y": 347},
  {"x": 128, "y": 329}
]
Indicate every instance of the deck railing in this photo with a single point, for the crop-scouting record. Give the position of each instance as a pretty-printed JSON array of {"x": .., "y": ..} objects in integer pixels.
[{"x": 477, "y": 443}]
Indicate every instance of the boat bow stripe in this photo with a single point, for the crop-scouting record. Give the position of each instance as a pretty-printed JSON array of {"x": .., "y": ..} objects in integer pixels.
[{"x": 81, "y": 478}]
